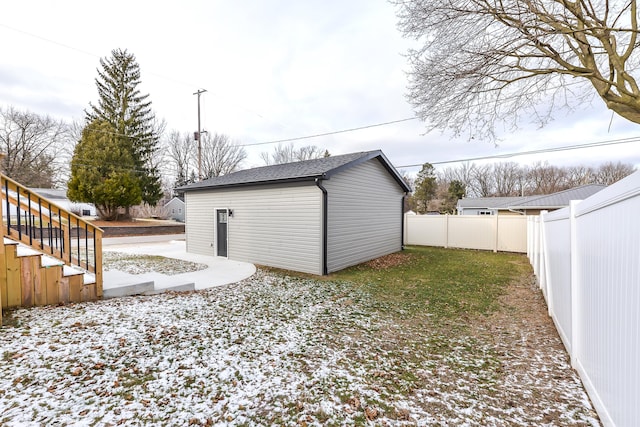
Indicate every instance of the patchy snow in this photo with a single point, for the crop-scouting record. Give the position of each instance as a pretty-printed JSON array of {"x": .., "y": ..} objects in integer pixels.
[
  {"x": 271, "y": 351},
  {"x": 167, "y": 263},
  {"x": 141, "y": 263}
]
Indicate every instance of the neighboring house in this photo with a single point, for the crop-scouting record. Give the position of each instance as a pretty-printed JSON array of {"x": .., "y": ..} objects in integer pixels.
[
  {"x": 527, "y": 205},
  {"x": 56, "y": 197},
  {"x": 485, "y": 205},
  {"x": 59, "y": 198},
  {"x": 315, "y": 216},
  {"x": 175, "y": 208}
]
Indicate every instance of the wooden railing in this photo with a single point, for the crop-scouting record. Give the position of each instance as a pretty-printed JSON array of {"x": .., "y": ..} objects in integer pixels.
[{"x": 45, "y": 226}]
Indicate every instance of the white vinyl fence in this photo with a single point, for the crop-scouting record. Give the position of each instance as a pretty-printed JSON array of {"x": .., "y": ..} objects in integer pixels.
[
  {"x": 587, "y": 260},
  {"x": 506, "y": 233}
]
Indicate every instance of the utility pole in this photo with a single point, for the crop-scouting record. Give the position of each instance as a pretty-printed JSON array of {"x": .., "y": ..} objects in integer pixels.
[{"x": 198, "y": 135}]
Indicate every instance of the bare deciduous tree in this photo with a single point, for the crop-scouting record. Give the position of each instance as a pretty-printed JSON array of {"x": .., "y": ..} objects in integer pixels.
[
  {"x": 610, "y": 172},
  {"x": 409, "y": 202},
  {"x": 483, "y": 183},
  {"x": 35, "y": 147},
  {"x": 485, "y": 61},
  {"x": 463, "y": 174},
  {"x": 546, "y": 179},
  {"x": 220, "y": 155},
  {"x": 288, "y": 153},
  {"x": 508, "y": 179},
  {"x": 180, "y": 152},
  {"x": 579, "y": 175}
]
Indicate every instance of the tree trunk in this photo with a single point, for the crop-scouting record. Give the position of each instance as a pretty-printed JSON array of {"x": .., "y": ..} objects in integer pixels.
[{"x": 107, "y": 213}]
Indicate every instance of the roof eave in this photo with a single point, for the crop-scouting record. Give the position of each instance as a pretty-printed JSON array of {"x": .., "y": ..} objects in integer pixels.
[
  {"x": 537, "y": 207},
  {"x": 250, "y": 184}
]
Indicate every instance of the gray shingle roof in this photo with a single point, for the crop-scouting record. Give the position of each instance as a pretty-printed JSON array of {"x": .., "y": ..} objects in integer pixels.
[
  {"x": 51, "y": 193},
  {"x": 555, "y": 200},
  {"x": 559, "y": 199},
  {"x": 298, "y": 171}
]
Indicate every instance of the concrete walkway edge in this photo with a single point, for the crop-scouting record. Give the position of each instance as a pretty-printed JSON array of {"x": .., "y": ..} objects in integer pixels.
[{"x": 220, "y": 271}]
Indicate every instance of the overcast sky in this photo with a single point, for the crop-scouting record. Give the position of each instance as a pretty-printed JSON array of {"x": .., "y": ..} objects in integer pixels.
[{"x": 273, "y": 70}]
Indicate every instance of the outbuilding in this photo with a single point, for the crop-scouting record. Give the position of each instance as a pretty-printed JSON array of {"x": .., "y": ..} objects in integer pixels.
[
  {"x": 315, "y": 216},
  {"x": 175, "y": 208}
]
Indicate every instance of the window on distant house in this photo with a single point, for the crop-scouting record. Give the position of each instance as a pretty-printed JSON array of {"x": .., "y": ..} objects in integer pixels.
[
  {"x": 484, "y": 213},
  {"x": 179, "y": 210},
  {"x": 173, "y": 211}
]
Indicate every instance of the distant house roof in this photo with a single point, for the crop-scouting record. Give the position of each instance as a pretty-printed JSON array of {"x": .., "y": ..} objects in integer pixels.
[
  {"x": 305, "y": 170},
  {"x": 177, "y": 198},
  {"x": 488, "y": 202},
  {"x": 548, "y": 201},
  {"x": 559, "y": 199},
  {"x": 51, "y": 193}
]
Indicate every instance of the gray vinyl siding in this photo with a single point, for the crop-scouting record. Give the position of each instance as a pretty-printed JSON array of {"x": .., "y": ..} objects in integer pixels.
[
  {"x": 273, "y": 225},
  {"x": 364, "y": 215},
  {"x": 175, "y": 209},
  {"x": 199, "y": 223}
]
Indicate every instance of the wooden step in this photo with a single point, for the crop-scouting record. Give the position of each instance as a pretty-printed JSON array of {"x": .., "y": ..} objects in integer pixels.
[{"x": 29, "y": 278}]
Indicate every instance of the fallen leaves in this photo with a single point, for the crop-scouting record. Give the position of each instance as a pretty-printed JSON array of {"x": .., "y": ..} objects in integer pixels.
[
  {"x": 371, "y": 413},
  {"x": 388, "y": 261},
  {"x": 270, "y": 350},
  {"x": 353, "y": 404}
]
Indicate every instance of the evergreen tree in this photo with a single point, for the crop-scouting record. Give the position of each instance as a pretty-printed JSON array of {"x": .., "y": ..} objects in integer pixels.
[
  {"x": 455, "y": 192},
  {"x": 102, "y": 171},
  {"x": 426, "y": 187},
  {"x": 129, "y": 113}
]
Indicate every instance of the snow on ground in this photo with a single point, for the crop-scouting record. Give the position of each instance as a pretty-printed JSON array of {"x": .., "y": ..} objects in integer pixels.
[
  {"x": 166, "y": 263},
  {"x": 139, "y": 264},
  {"x": 270, "y": 350}
]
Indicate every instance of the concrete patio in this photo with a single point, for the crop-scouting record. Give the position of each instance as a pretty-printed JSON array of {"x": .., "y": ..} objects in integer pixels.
[{"x": 220, "y": 271}]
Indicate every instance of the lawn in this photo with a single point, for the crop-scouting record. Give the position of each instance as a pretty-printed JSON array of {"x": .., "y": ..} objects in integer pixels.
[{"x": 424, "y": 337}]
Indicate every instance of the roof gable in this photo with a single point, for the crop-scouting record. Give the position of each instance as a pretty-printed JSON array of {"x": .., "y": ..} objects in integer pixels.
[
  {"x": 175, "y": 200},
  {"x": 306, "y": 170}
]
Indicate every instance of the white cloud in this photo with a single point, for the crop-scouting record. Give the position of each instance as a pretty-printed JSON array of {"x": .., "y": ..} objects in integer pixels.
[{"x": 273, "y": 70}]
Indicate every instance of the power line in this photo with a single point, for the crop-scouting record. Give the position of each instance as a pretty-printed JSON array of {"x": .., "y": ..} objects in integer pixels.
[
  {"x": 162, "y": 76},
  {"x": 497, "y": 156},
  {"x": 92, "y": 54},
  {"x": 287, "y": 139},
  {"x": 540, "y": 151},
  {"x": 327, "y": 133},
  {"x": 66, "y": 46}
]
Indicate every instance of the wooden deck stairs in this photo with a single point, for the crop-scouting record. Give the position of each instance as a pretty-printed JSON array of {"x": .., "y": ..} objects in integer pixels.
[{"x": 48, "y": 254}]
